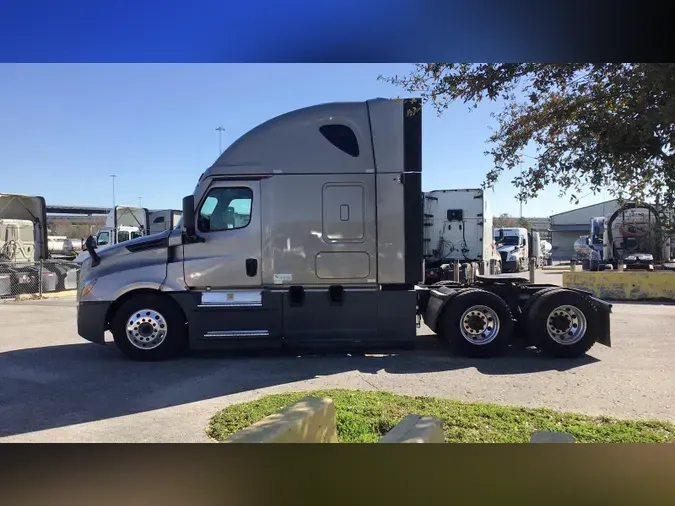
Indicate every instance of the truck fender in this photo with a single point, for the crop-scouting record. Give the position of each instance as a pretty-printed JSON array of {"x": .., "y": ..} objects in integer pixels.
[
  {"x": 438, "y": 298},
  {"x": 141, "y": 285}
]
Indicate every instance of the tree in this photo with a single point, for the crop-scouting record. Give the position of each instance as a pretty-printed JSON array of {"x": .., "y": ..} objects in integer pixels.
[
  {"x": 506, "y": 221},
  {"x": 594, "y": 126}
]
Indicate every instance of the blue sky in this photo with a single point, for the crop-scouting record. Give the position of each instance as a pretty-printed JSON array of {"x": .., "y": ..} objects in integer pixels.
[{"x": 64, "y": 128}]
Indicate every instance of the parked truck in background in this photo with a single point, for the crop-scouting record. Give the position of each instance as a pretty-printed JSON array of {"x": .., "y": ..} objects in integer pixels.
[
  {"x": 634, "y": 236},
  {"x": 307, "y": 233},
  {"x": 123, "y": 223},
  {"x": 23, "y": 244},
  {"x": 458, "y": 228},
  {"x": 513, "y": 245},
  {"x": 165, "y": 219}
]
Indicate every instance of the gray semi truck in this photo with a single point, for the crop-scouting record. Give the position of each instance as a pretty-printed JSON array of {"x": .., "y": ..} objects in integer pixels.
[{"x": 307, "y": 233}]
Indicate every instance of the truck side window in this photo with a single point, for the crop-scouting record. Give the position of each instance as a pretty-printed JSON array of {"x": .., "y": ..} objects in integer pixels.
[
  {"x": 103, "y": 239},
  {"x": 225, "y": 209},
  {"x": 159, "y": 219},
  {"x": 122, "y": 235}
]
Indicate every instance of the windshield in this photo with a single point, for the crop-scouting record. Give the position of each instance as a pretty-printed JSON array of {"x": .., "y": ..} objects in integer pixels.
[{"x": 508, "y": 240}]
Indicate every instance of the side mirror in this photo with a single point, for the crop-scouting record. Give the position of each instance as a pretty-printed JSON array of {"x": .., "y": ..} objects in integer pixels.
[
  {"x": 189, "y": 216},
  {"x": 90, "y": 245}
]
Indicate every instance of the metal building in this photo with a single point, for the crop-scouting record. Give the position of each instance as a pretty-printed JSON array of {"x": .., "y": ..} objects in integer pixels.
[{"x": 568, "y": 226}]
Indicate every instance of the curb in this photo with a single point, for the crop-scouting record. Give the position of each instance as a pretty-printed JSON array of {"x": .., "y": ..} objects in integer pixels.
[
  {"x": 624, "y": 285},
  {"x": 310, "y": 420},
  {"x": 416, "y": 429},
  {"x": 49, "y": 295}
]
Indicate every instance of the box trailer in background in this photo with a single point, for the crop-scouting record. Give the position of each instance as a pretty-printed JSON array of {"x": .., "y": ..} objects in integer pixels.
[
  {"x": 164, "y": 219},
  {"x": 458, "y": 228},
  {"x": 307, "y": 233}
]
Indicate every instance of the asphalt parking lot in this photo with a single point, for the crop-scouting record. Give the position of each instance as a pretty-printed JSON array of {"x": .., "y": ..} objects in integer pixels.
[{"x": 55, "y": 387}]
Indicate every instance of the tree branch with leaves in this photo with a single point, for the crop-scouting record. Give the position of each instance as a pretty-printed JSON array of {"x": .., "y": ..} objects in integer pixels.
[{"x": 594, "y": 126}]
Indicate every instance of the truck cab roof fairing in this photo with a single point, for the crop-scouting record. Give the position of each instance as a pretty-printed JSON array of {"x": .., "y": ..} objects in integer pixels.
[{"x": 293, "y": 143}]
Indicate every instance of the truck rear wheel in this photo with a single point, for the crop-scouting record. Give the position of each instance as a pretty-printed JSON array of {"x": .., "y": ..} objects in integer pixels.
[
  {"x": 477, "y": 323},
  {"x": 149, "y": 327},
  {"x": 563, "y": 323}
]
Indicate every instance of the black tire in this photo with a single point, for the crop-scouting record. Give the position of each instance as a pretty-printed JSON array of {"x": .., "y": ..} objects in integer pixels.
[
  {"x": 522, "y": 327},
  {"x": 577, "y": 313},
  {"x": 453, "y": 313},
  {"x": 143, "y": 308}
]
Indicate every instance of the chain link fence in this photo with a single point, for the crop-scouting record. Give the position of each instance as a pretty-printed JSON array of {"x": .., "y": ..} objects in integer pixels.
[{"x": 37, "y": 278}]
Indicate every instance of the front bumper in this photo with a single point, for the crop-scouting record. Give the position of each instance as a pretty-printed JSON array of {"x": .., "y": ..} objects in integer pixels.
[{"x": 91, "y": 320}]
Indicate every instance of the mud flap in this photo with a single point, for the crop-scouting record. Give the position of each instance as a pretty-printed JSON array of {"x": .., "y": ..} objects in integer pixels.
[{"x": 604, "y": 310}]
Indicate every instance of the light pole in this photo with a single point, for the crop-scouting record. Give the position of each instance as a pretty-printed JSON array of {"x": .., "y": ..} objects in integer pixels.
[
  {"x": 220, "y": 131},
  {"x": 113, "y": 176}
]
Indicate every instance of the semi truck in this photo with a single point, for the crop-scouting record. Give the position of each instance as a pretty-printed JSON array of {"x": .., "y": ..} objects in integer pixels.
[
  {"x": 458, "y": 228},
  {"x": 164, "y": 219},
  {"x": 517, "y": 246},
  {"x": 512, "y": 245},
  {"x": 634, "y": 236},
  {"x": 123, "y": 223},
  {"x": 306, "y": 233},
  {"x": 23, "y": 242}
]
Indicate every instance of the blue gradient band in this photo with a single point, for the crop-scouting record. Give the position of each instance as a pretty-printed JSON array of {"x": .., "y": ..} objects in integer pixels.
[{"x": 291, "y": 31}]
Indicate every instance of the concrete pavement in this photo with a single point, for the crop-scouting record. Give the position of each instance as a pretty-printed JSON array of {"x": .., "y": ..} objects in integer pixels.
[{"x": 55, "y": 387}]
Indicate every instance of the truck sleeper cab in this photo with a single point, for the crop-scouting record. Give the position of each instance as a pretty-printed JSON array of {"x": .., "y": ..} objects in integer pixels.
[{"x": 307, "y": 232}]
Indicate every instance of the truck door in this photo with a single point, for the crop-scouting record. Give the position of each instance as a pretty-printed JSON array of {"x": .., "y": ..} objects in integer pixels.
[{"x": 228, "y": 220}]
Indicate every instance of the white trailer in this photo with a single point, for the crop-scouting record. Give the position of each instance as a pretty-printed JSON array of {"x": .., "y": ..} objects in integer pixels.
[{"x": 458, "y": 228}]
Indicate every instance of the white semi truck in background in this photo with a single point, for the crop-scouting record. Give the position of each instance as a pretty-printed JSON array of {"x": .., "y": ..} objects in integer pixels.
[
  {"x": 123, "y": 223},
  {"x": 458, "y": 228},
  {"x": 307, "y": 233},
  {"x": 517, "y": 246}
]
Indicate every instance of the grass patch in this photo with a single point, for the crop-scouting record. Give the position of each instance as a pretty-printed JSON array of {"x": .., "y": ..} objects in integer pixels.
[{"x": 364, "y": 417}]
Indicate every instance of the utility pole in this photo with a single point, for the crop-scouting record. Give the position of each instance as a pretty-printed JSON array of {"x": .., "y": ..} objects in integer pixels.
[
  {"x": 140, "y": 201},
  {"x": 220, "y": 131},
  {"x": 113, "y": 176}
]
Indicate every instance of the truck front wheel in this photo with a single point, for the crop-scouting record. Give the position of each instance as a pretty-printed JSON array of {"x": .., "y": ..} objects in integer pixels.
[
  {"x": 563, "y": 323},
  {"x": 476, "y": 323},
  {"x": 149, "y": 327}
]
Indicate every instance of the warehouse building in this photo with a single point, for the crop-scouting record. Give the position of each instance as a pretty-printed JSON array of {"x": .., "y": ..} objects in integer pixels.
[{"x": 568, "y": 226}]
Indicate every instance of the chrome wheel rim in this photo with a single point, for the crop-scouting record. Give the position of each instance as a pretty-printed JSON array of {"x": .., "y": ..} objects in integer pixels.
[
  {"x": 479, "y": 325},
  {"x": 146, "y": 329},
  {"x": 566, "y": 325}
]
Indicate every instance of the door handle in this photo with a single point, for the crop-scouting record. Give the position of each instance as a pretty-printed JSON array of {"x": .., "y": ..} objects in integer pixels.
[{"x": 251, "y": 267}]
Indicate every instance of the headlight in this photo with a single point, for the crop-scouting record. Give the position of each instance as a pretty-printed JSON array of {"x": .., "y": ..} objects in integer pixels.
[{"x": 87, "y": 287}]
